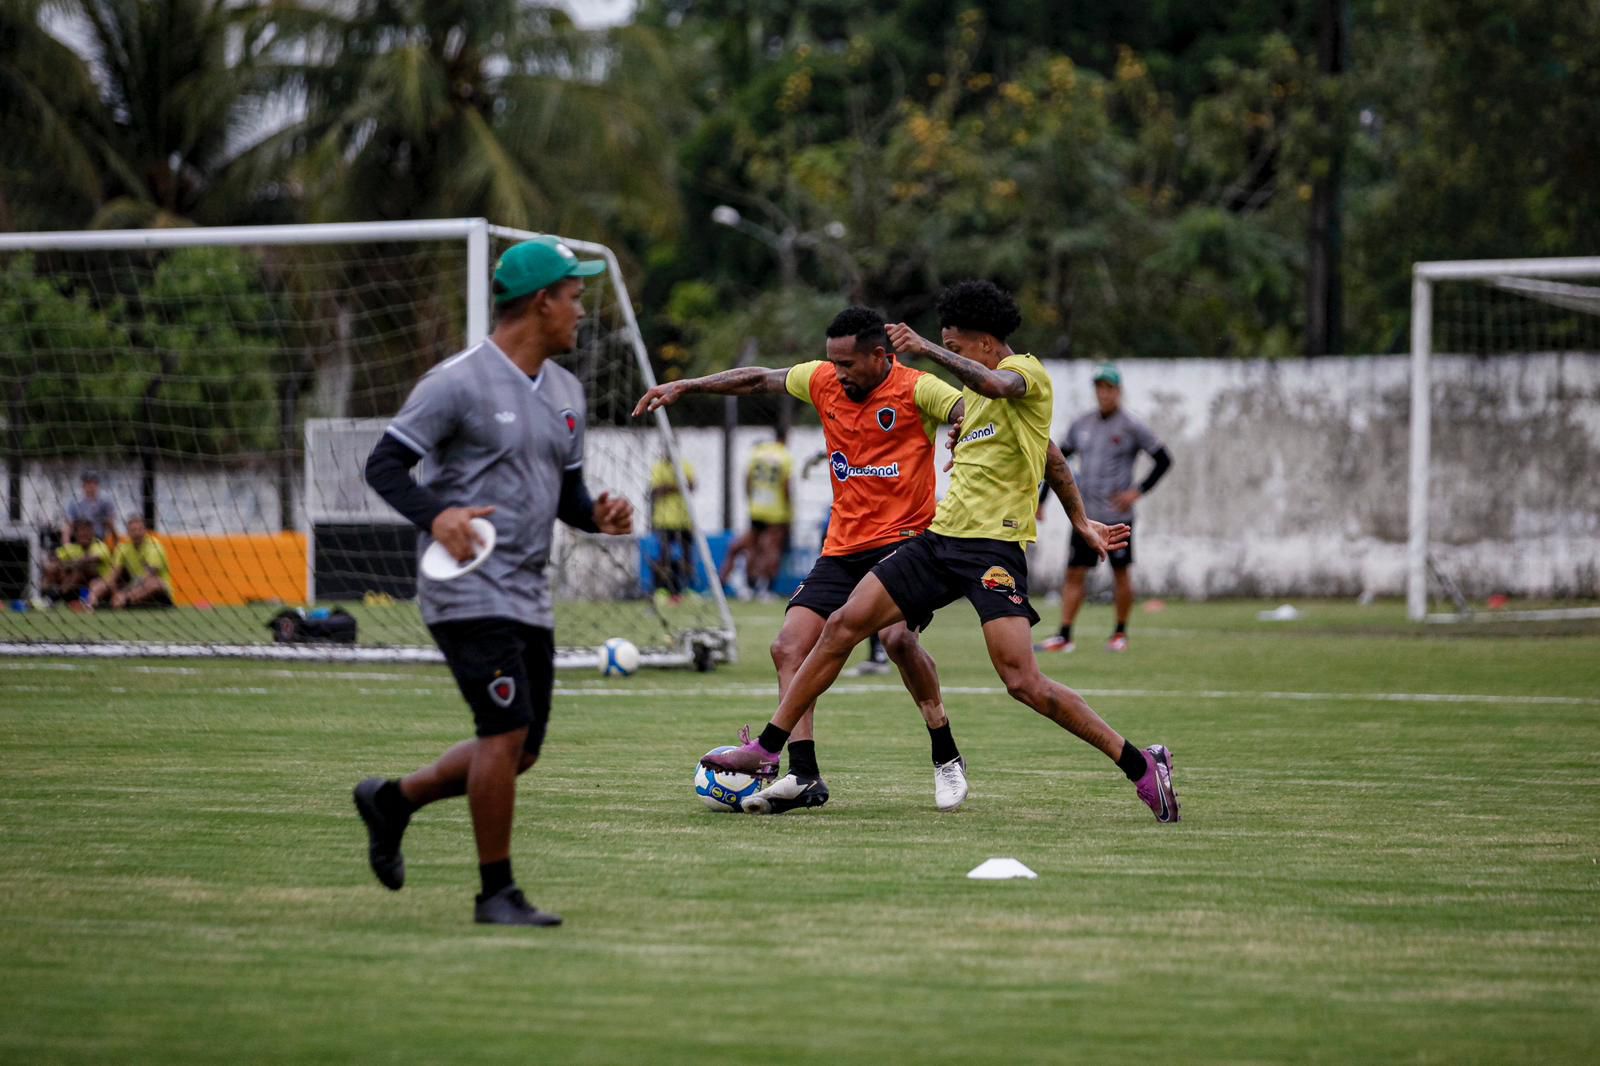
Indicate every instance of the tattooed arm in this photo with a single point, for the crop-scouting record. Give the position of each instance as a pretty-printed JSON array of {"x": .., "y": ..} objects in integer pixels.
[
  {"x": 741, "y": 381},
  {"x": 995, "y": 384},
  {"x": 1099, "y": 536}
]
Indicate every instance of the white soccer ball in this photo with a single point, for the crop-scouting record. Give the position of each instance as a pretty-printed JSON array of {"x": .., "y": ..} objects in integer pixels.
[
  {"x": 720, "y": 790},
  {"x": 618, "y": 658}
]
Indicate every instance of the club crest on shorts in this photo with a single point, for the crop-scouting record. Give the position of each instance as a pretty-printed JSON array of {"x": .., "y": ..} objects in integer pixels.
[
  {"x": 570, "y": 417},
  {"x": 886, "y": 418},
  {"x": 996, "y": 579},
  {"x": 503, "y": 690}
]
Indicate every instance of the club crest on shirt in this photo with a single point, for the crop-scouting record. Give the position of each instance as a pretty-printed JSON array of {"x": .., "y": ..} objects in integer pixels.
[
  {"x": 997, "y": 579},
  {"x": 886, "y": 418},
  {"x": 503, "y": 690},
  {"x": 570, "y": 417}
]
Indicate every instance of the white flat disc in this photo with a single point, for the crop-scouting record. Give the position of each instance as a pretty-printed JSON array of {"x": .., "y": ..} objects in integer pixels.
[{"x": 440, "y": 565}]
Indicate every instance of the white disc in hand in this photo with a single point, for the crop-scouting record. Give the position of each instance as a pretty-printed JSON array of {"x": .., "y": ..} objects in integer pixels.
[{"x": 440, "y": 565}]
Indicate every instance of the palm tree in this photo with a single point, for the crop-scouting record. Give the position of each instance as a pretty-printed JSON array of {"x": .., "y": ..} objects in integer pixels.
[
  {"x": 437, "y": 108},
  {"x": 51, "y": 147},
  {"x": 184, "y": 90}
]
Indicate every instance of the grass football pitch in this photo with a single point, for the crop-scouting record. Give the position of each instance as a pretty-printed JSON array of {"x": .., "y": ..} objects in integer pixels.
[{"x": 1388, "y": 853}]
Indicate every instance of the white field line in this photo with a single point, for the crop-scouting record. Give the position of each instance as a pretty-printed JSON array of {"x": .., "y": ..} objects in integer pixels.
[{"x": 613, "y": 689}]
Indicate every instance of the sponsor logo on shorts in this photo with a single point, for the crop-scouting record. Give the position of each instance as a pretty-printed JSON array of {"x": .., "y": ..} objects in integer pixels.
[
  {"x": 797, "y": 590},
  {"x": 886, "y": 418},
  {"x": 843, "y": 471},
  {"x": 978, "y": 434},
  {"x": 503, "y": 690},
  {"x": 505, "y": 418},
  {"x": 996, "y": 579},
  {"x": 1014, "y": 598}
]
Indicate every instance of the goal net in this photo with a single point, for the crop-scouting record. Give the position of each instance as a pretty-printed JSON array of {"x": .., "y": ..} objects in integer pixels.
[
  {"x": 1504, "y": 350},
  {"x": 226, "y": 386}
]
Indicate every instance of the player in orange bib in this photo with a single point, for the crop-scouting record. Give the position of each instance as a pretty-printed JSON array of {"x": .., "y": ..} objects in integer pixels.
[{"x": 880, "y": 420}]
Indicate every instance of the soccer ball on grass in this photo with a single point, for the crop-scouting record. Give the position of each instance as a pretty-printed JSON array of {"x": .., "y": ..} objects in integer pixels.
[
  {"x": 618, "y": 658},
  {"x": 720, "y": 790}
]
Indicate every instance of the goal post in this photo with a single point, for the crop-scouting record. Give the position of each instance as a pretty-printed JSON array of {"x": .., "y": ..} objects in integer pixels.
[
  {"x": 1517, "y": 307},
  {"x": 227, "y": 383}
]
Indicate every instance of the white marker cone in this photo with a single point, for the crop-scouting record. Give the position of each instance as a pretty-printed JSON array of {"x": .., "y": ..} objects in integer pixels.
[{"x": 1000, "y": 870}]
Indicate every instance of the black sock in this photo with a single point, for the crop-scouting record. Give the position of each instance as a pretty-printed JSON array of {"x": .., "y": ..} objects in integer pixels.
[
  {"x": 495, "y": 875},
  {"x": 944, "y": 744},
  {"x": 393, "y": 803},
  {"x": 772, "y": 738},
  {"x": 1132, "y": 761},
  {"x": 1066, "y": 632},
  {"x": 1122, "y": 627},
  {"x": 803, "y": 759}
]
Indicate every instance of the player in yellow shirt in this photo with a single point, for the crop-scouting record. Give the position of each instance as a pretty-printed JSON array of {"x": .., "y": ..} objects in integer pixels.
[
  {"x": 669, "y": 521},
  {"x": 139, "y": 569},
  {"x": 78, "y": 566},
  {"x": 974, "y": 549},
  {"x": 766, "y": 488}
]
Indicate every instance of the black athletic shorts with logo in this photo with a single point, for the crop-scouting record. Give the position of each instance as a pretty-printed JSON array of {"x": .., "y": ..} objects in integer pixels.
[
  {"x": 505, "y": 669},
  {"x": 934, "y": 570},
  {"x": 1084, "y": 556},
  {"x": 835, "y": 577}
]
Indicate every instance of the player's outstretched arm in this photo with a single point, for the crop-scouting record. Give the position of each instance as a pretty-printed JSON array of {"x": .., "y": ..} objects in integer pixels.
[
  {"x": 1102, "y": 538},
  {"x": 740, "y": 381},
  {"x": 995, "y": 384}
]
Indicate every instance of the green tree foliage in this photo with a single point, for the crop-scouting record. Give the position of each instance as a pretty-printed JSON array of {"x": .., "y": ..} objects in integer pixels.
[
  {"x": 184, "y": 367},
  {"x": 50, "y": 142},
  {"x": 482, "y": 107},
  {"x": 70, "y": 380}
]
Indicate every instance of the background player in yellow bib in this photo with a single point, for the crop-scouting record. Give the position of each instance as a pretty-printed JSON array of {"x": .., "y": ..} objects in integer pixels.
[{"x": 974, "y": 547}]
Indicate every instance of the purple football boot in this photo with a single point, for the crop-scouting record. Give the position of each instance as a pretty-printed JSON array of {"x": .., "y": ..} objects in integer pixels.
[
  {"x": 1155, "y": 787},
  {"x": 748, "y": 758}
]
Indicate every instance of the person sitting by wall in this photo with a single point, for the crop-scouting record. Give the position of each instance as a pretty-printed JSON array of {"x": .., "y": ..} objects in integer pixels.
[
  {"x": 94, "y": 506},
  {"x": 140, "y": 575},
  {"x": 77, "y": 570}
]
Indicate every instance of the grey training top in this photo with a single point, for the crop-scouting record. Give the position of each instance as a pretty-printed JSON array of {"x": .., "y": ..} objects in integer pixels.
[
  {"x": 1108, "y": 448},
  {"x": 98, "y": 511},
  {"x": 490, "y": 436}
]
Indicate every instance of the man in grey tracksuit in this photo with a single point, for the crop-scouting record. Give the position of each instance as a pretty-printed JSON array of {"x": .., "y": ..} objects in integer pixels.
[
  {"x": 1109, "y": 440},
  {"x": 499, "y": 430}
]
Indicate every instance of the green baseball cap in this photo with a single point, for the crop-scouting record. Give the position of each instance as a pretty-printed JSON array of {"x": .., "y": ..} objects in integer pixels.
[
  {"x": 524, "y": 269},
  {"x": 1109, "y": 374}
]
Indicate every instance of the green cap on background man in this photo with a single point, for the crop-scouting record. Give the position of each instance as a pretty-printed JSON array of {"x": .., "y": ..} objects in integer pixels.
[
  {"x": 1109, "y": 374},
  {"x": 526, "y": 268}
]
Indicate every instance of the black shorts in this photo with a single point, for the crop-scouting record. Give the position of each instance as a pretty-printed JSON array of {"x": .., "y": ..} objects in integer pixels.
[
  {"x": 835, "y": 577},
  {"x": 1084, "y": 556},
  {"x": 934, "y": 570},
  {"x": 506, "y": 671}
]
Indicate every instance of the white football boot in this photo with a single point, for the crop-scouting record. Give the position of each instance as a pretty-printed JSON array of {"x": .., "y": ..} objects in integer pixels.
[{"x": 950, "y": 784}]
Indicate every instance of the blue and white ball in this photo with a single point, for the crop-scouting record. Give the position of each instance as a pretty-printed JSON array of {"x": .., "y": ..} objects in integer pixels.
[
  {"x": 720, "y": 790},
  {"x": 618, "y": 658}
]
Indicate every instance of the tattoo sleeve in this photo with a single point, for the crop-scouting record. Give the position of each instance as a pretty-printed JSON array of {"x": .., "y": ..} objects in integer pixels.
[
  {"x": 741, "y": 381},
  {"x": 1058, "y": 475},
  {"x": 1005, "y": 384}
]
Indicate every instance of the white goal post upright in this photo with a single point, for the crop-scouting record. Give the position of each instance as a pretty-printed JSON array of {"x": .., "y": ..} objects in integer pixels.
[
  {"x": 1538, "y": 279},
  {"x": 42, "y": 458}
]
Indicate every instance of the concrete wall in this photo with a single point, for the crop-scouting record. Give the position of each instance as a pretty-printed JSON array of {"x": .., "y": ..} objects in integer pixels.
[{"x": 1289, "y": 478}]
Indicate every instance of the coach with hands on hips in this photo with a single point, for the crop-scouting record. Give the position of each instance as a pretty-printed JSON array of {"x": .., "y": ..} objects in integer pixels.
[{"x": 502, "y": 428}]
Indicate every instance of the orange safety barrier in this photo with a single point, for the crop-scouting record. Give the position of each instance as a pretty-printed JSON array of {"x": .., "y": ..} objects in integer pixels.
[{"x": 236, "y": 569}]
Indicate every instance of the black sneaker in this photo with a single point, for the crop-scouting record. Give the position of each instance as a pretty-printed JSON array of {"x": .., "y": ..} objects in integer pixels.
[
  {"x": 787, "y": 793},
  {"x": 510, "y": 907},
  {"x": 383, "y": 836}
]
